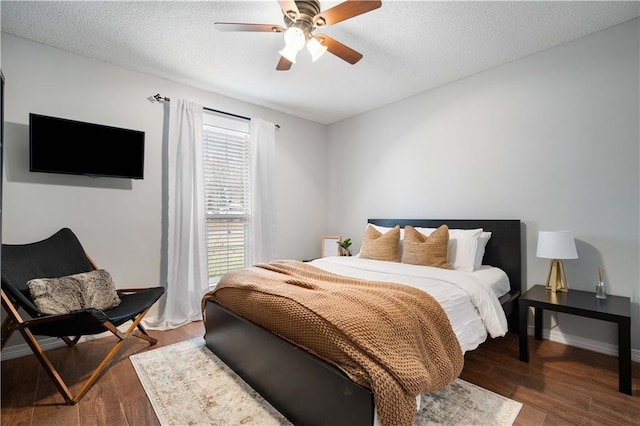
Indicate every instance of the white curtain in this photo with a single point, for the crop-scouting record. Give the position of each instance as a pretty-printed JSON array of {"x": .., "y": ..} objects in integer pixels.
[
  {"x": 263, "y": 218},
  {"x": 187, "y": 278}
]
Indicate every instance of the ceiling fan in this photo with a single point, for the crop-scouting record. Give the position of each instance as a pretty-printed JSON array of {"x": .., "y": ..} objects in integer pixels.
[{"x": 301, "y": 18}]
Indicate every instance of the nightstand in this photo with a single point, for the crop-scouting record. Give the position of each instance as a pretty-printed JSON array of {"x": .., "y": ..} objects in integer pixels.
[{"x": 584, "y": 303}]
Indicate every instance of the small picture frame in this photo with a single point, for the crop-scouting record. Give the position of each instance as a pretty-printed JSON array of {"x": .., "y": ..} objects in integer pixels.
[{"x": 330, "y": 245}]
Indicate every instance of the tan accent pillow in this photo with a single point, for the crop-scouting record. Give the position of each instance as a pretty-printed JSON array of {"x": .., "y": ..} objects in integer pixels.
[
  {"x": 94, "y": 289},
  {"x": 427, "y": 251},
  {"x": 379, "y": 246}
]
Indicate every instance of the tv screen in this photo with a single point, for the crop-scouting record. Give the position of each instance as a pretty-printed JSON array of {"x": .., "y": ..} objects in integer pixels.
[{"x": 58, "y": 145}]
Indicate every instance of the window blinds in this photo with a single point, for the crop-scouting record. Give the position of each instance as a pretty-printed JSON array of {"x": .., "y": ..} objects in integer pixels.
[{"x": 227, "y": 196}]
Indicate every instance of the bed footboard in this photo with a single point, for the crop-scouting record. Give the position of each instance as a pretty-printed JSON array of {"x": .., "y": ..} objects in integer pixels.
[{"x": 305, "y": 389}]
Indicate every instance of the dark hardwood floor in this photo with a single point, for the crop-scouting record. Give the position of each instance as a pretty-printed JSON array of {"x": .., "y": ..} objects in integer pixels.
[{"x": 560, "y": 385}]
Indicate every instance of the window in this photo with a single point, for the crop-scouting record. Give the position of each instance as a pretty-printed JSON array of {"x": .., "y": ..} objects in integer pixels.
[{"x": 227, "y": 193}]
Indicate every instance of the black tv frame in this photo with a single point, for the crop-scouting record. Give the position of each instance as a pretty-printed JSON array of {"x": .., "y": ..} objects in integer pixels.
[{"x": 87, "y": 160}]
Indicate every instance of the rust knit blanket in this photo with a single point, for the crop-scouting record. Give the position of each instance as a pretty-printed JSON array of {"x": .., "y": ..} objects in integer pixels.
[{"x": 391, "y": 338}]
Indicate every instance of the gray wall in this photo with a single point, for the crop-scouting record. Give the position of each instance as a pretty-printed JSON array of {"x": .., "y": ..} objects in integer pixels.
[
  {"x": 551, "y": 139},
  {"x": 118, "y": 220}
]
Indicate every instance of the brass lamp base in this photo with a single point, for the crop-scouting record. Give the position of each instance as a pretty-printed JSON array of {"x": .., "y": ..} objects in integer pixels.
[{"x": 557, "y": 281}]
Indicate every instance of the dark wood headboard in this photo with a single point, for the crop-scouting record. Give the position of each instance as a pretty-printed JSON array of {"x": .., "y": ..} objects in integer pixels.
[{"x": 503, "y": 249}]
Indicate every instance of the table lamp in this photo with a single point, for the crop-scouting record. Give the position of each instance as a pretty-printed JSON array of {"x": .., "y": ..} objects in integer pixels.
[{"x": 556, "y": 245}]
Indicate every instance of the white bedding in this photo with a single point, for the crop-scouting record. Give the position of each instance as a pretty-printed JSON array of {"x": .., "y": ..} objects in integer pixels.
[{"x": 470, "y": 299}]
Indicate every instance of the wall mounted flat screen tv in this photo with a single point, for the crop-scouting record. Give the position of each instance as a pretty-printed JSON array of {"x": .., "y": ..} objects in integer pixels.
[{"x": 58, "y": 145}]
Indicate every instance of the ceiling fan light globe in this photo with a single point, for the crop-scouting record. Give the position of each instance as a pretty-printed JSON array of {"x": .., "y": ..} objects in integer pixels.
[
  {"x": 289, "y": 54},
  {"x": 315, "y": 48},
  {"x": 294, "y": 38}
]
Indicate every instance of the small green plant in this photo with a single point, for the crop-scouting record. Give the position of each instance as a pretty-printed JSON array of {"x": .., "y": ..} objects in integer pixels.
[{"x": 344, "y": 245}]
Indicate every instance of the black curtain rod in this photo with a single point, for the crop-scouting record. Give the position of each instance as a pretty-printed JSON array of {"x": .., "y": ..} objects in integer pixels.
[{"x": 159, "y": 98}]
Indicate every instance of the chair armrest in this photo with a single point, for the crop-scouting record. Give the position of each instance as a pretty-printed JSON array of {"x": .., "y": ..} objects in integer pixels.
[
  {"x": 43, "y": 320},
  {"x": 130, "y": 290}
]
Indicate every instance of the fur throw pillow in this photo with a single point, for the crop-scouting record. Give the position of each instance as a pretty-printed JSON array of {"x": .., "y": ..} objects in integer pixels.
[{"x": 94, "y": 289}]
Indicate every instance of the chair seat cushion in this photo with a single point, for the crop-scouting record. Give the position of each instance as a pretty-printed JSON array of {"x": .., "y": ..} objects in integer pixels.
[
  {"x": 134, "y": 304},
  {"x": 94, "y": 289}
]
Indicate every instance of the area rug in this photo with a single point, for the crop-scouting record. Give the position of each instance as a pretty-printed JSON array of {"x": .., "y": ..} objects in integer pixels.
[{"x": 188, "y": 385}]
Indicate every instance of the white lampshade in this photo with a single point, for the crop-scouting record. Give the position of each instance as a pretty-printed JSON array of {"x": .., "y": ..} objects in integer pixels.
[
  {"x": 315, "y": 48},
  {"x": 556, "y": 245},
  {"x": 294, "y": 38},
  {"x": 289, "y": 54}
]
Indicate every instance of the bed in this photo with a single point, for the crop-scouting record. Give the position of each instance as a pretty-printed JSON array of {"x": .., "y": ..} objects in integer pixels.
[{"x": 308, "y": 390}]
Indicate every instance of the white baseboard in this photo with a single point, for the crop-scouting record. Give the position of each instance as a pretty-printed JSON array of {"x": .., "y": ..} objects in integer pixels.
[
  {"x": 581, "y": 342},
  {"x": 22, "y": 349}
]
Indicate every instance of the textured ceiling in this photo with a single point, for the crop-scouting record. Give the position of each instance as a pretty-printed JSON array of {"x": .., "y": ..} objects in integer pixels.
[{"x": 408, "y": 46}]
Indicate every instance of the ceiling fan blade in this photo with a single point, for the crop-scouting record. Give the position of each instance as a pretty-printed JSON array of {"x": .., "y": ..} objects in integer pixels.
[
  {"x": 340, "y": 50},
  {"x": 289, "y": 8},
  {"x": 284, "y": 64},
  {"x": 346, "y": 10},
  {"x": 263, "y": 28}
]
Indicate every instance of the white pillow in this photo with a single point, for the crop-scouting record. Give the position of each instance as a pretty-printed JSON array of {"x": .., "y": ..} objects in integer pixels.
[
  {"x": 464, "y": 246},
  {"x": 482, "y": 244}
]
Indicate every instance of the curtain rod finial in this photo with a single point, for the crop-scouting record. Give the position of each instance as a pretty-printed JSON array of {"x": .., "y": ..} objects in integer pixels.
[{"x": 157, "y": 98}]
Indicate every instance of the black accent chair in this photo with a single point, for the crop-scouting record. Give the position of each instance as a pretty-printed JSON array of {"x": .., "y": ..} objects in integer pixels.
[{"x": 58, "y": 256}]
